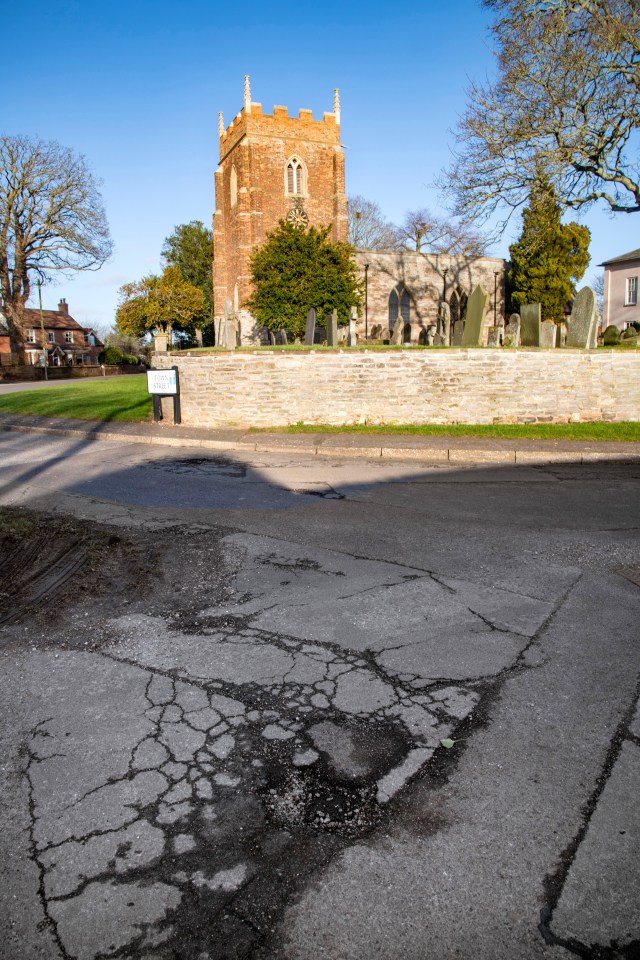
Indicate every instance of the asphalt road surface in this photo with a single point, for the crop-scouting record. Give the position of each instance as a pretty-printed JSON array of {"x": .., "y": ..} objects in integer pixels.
[{"x": 288, "y": 707}]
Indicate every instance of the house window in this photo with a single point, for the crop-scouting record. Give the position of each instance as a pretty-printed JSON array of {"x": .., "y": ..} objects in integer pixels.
[
  {"x": 51, "y": 337},
  {"x": 31, "y": 336},
  {"x": 631, "y": 292},
  {"x": 295, "y": 178},
  {"x": 68, "y": 336}
]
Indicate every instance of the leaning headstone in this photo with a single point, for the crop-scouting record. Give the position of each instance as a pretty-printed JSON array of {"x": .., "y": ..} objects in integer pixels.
[
  {"x": 494, "y": 336},
  {"x": 352, "y": 338},
  {"x": 580, "y": 328},
  {"x": 456, "y": 336},
  {"x": 444, "y": 321},
  {"x": 385, "y": 333},
  {"x": 476, "y": 310},
  {"x": 548, "y": 334},
  {"x": 272, "y": 338},
  {"x": 310, "y": 330},
  {"x": 530, "y": 318},
  {"x": 512, "y": 331},
  {"x": 397, "y": 334},
  {"x": 376, "y": 330},
  {"x": 332, "y": 329},
  {"x": 284, "y": 340}
]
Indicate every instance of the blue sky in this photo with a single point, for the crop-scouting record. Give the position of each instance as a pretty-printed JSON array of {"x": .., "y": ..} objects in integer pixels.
[{"x": 136, "y": 87}]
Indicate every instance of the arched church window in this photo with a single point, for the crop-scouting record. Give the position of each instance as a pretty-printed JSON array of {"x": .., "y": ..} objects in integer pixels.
[
  {"x": 233, "y": 186},
  {"x": 393, "y": 308},
  {"x": 454, "y": 306},
  {"x": 463, "y": 305},
  {"x": 295, "y": 177},
  {"x": 399, "y": 305},
  {"x": 405, "y": 307}
]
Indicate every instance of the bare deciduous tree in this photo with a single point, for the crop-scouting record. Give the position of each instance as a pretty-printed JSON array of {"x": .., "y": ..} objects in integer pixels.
[
  {"x": 424, "y": 232},
  {"x": 368, "y": 228},
  {"x": 51, "y": 220},
  {"x": 566, "y": 104}
]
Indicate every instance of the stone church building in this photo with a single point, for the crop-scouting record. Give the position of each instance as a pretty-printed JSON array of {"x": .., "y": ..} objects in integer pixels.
[{"x": 278, "y": 167}]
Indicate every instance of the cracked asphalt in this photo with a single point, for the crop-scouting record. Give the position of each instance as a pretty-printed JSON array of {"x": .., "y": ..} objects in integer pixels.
[{"x": 280, "y": 706}]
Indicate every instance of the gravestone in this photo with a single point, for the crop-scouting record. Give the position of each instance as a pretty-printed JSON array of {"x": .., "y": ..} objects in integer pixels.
[
  {"x": 444, "y": 321},
  {"x": 397, "y": 334},
  {"x": 476, "y": 310},
  {"x": 284, "y": 340},
  {"x": 548, "y": 334},
  {"x": 376, "y": 331},
  {"x": 222, "y": 339},
  {"x": 431, "y": 333},
  {"x": 272, "y": 338},
  {"x": 512, "y": 332},
  {"x": 530, "y": 324},
  {"x": 581, "y": 326},
  {"x": 352, "y": 338},
  {"x": 494, "y": 336},
  {"x": 385, "y": 333},
  {"x": 561, "y": 336},
  {"x": 310, "y": 330},
  {"x": 332, "y": 329},
  {"x": 456, "y": 336}
]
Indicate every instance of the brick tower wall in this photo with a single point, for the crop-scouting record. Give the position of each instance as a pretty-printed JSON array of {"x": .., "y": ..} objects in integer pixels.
[{"x": 258, "y": 147}]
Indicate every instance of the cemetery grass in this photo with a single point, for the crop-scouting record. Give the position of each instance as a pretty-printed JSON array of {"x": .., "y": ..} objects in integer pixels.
[{"x": 122, "y": 398}]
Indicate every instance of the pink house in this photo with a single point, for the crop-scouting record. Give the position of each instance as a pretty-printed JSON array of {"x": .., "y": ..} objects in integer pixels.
[{"x": 621, "y": 300}]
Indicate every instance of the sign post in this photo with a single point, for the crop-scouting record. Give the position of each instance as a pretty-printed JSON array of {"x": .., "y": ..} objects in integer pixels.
[{"x": 164, "y": 383}]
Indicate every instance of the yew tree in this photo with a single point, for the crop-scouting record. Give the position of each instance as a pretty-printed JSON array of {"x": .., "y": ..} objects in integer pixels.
[
  {"x": 549, "y": 257},
  {"x": 52, "y": 221},
  {"x": 297, "y": 269}
]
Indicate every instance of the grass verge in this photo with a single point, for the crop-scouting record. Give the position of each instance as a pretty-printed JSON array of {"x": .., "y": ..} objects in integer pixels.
[
  {"x": 627, "y": 431},
  {"x": 123, "y": 398}
]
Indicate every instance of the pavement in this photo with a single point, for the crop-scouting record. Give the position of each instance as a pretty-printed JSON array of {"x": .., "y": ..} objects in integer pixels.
[
  {"x": 351, "y": 445},
  {"x": 297, "y": 702}
]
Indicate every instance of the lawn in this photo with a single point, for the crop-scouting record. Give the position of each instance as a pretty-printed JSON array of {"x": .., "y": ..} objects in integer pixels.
[{"x": 121, "y": 398}]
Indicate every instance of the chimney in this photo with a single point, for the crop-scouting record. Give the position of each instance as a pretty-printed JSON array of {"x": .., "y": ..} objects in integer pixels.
[{"x": 63, "y": 307}]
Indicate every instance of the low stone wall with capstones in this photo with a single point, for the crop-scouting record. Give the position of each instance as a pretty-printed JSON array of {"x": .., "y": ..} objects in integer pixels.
[{"x": 265, "y": 389}]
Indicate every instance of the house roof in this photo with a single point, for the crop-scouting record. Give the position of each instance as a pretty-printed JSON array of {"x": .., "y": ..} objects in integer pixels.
[
  {"x": 632, "y": 255},
  {"x": 52, "y": 319}
]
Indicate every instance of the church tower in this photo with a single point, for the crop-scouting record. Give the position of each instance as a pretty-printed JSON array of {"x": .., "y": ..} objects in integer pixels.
[{"x": 272, "y": 167}]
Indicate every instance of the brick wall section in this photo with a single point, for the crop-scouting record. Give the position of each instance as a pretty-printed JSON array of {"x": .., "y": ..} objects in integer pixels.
[{"x": 266, "y": 388}]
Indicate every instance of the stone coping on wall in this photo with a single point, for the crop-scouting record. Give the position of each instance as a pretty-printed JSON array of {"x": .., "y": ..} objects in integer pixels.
[{"x": 271, "y": 387}]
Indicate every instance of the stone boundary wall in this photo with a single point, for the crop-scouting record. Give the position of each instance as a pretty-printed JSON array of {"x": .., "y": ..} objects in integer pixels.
[{"x": 267, "y": 388}]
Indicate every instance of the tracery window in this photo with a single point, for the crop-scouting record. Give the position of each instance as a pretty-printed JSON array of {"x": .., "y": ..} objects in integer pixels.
[
  {"x": 399, "y": 303},
  {"x": 295, "y": 177}
]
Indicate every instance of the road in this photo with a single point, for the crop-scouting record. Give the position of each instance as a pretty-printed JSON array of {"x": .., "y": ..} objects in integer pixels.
[{"x": 280, "y": 706}]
